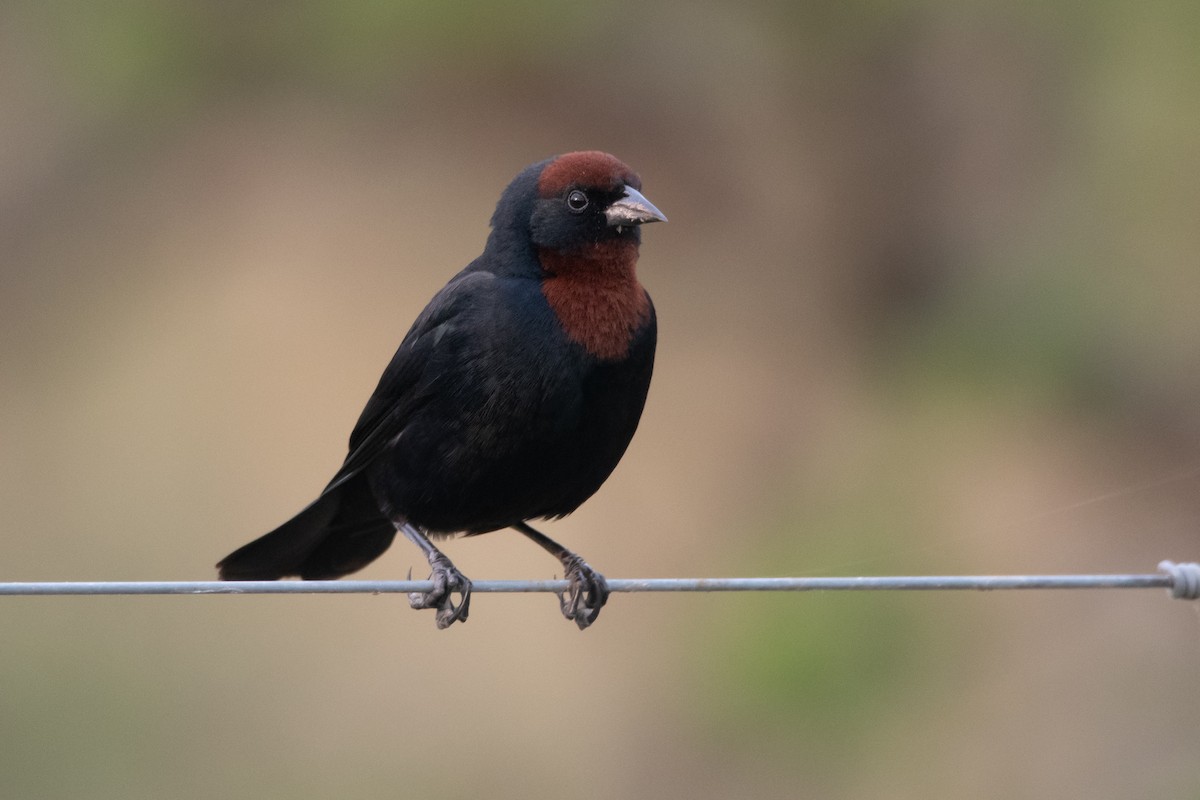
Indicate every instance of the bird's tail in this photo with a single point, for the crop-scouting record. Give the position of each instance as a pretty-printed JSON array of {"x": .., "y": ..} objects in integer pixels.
[{"x": 339, "y": 533}]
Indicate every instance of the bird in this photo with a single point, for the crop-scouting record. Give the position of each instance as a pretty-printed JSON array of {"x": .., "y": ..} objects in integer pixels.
[{"x": 512, "y": 397}]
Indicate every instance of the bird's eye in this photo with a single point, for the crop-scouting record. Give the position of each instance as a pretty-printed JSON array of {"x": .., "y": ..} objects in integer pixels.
[{"x": 577, "y": 201}]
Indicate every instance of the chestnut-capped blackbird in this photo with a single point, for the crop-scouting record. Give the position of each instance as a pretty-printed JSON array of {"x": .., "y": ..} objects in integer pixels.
[{"x": 512, "y": 397}]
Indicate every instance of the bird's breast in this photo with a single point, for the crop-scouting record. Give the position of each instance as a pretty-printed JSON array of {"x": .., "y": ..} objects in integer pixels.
[{"x": 595, "y": 295}]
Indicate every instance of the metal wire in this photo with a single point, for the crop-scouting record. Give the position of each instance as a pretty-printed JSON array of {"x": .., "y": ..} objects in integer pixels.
[{"x": 1182, "y": 580}]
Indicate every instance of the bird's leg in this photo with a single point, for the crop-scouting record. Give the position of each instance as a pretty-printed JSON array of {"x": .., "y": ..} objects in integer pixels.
[
  {"x": 588, "y": 591},
  {"x": 446, "y": 581}
]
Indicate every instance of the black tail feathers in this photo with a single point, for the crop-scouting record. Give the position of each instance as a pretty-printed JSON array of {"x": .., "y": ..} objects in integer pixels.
[{"x": 341, "y": 532}]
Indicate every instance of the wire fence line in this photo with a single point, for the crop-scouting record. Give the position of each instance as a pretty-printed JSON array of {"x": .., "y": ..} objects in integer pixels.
[{"x": 1182, "y": 580}]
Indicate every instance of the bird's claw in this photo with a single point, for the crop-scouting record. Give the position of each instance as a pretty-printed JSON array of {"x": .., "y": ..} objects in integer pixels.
[
  {"x": 586, "y": 595},
  {"x": 447, "y": 580}
]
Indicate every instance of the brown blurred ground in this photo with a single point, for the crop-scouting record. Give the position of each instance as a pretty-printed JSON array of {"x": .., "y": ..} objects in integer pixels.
[{"x": 928, "y": 304}]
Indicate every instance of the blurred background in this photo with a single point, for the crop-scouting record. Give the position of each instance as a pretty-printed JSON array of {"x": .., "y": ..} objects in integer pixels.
[{"x": 927, "y": 305}]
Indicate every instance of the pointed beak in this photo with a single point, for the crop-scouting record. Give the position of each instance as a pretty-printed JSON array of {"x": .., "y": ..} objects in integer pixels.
[{"x": 633, "y": 209}]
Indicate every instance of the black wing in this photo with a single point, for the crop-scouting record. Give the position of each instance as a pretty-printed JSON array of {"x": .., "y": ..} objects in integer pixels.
[
  {"x": 407, "y": 384},
  {"x": 344, "y": 528}
]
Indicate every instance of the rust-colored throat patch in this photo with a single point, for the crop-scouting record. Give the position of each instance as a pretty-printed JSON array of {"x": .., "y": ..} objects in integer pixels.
[{"x": 596, "y": 296}]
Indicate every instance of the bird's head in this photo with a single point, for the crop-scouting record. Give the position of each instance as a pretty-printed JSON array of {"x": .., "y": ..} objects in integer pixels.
[
  {"x": 586, "y": 199},
  {"x": 573, "y": 222}
]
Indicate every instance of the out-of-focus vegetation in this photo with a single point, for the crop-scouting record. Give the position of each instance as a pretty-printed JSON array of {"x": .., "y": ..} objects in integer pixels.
[{"x": 927, "y": 301}]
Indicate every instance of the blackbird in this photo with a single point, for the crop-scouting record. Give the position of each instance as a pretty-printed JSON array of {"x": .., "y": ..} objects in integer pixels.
[{"x": 512, "y": 397}]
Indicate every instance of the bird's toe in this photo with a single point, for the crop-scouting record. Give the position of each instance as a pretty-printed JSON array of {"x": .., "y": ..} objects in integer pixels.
[
  {"x": 586, "y": 595},
  {"x": 447, "y": 581}
]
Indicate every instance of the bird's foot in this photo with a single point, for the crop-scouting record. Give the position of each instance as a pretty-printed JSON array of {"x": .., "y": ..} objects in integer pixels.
[
  {"x": 447, "y": 581},
  {"x": 586, "y": 595}
]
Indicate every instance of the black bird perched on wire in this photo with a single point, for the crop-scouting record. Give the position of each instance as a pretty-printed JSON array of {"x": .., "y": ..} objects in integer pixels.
[{"x": 513, "y": 396}]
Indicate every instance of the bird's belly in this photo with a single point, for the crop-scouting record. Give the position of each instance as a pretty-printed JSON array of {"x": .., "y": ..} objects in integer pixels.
[{"x": 489, "y": 474}]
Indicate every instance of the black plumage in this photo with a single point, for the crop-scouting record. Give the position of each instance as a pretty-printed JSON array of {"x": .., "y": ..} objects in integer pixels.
[{"x": 512, "y": 397}]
